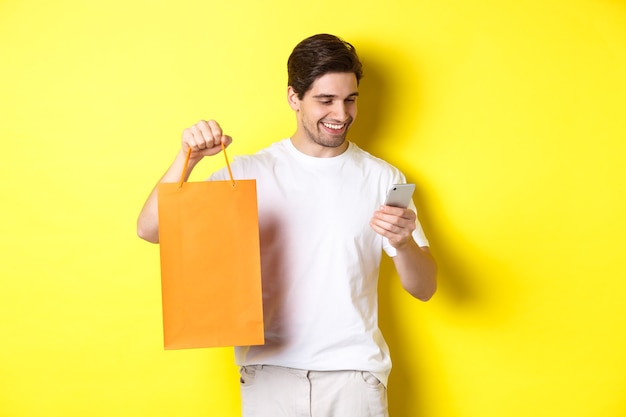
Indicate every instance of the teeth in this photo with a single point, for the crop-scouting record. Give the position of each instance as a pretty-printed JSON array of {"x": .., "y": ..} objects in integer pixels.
[{"x": 333, "y": 126}]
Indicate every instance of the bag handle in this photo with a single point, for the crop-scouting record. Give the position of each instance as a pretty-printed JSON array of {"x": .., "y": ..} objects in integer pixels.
[{"x": 182, "y": 176}]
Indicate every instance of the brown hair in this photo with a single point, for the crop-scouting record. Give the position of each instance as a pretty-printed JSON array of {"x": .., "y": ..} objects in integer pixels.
[{"x": 318, "y": 55}]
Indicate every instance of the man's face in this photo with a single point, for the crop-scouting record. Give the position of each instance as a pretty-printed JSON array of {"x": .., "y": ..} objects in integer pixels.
[{"x": 327, "y": 109}]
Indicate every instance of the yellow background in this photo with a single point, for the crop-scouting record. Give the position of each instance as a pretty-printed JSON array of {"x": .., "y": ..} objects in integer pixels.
[{"x": 510, "y": 116}]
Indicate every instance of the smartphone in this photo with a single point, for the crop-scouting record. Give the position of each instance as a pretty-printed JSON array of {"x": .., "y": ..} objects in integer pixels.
[{"x": 399, "y": 195}]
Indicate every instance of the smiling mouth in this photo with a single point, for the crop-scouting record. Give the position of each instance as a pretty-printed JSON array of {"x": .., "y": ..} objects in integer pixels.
[{"x": 333, "y": 126}]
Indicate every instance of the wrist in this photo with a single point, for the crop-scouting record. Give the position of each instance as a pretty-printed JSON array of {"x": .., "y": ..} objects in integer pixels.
[{"x": 406, "y": 245}]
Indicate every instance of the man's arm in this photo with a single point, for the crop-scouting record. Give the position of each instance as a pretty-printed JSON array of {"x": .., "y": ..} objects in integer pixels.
[
  {"x": 417, "y": 270},
  {"x": 415, "y": 265},
  {"x": 204, "y": 139}
]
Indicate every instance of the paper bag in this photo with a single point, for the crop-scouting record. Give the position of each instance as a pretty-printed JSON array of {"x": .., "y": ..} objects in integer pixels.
[{"x": 210, "y": 264}]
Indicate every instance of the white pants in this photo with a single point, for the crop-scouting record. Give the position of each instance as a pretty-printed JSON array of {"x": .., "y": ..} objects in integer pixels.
[{"x": 273, "y": 391}]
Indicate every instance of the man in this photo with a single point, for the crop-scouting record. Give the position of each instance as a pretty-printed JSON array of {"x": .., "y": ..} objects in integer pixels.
[{"x": 322, "y": 233}]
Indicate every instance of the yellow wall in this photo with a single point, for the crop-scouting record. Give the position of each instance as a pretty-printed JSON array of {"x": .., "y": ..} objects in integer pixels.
[{"x": 509, "y": 116}]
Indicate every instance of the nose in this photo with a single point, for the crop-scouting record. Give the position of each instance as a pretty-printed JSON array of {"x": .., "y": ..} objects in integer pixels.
[{"x": 341, "y": 111}]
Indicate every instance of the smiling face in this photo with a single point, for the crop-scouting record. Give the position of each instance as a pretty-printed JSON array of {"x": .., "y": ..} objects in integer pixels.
[{"x": 325, "y": 114}]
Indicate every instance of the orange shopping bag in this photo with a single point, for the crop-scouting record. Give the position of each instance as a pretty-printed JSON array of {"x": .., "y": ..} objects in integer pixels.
[{"x": 210, "y": 263}]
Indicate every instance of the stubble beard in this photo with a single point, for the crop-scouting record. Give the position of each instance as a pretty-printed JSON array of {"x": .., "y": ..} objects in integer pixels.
[{"x": 327, "y": 140}]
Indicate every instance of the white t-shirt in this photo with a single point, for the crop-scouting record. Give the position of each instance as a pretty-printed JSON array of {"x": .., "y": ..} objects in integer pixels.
[{"x": 319, "y": 257}]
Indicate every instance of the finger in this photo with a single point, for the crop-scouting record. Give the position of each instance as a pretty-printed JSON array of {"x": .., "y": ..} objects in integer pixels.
[
  {"x": 393, "y": 224},
  {"x": 188, "y": 139},
  {"x": 211, "y": 133},
  {"x": 226, "y": 140},
  {"x": 385, "y": 229},
  {"x": 404, "y": 213},
  {"x": 383, "y": 224},
  {"x": 216, "y": 132},
  {"x": 199, "y": 139},
  {"x": 207, "y": 134}
]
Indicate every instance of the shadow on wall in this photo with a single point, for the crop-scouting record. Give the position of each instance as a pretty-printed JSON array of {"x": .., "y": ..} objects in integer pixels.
[
  {"x": 375, "y": 90},
  {"x": 385, "y": 97},
  {"x": 376, "y": 109},
  {"x": 382, "y": 93}
]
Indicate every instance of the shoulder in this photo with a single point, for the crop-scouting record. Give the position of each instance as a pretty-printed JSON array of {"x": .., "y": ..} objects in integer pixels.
[
  {"x": 249, "y": 166},
  {"x": 254, "y": 165},
  {"x": 265, "y": 155},
  {"x": 371, "y": 162}
]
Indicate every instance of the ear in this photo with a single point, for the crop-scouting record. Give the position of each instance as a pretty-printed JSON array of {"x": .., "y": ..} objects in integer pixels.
[{"x": 292, "y": 99}]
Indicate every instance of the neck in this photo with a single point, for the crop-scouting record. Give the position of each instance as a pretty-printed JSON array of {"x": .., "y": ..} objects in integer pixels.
[{"x": 314, "y": 149}]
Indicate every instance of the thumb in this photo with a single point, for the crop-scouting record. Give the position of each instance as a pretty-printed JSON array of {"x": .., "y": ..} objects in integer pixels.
[{"x": 226, "y": 140}]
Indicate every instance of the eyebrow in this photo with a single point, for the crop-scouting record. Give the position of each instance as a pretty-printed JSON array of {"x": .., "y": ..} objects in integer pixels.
[{"x": 334, "y": 95}]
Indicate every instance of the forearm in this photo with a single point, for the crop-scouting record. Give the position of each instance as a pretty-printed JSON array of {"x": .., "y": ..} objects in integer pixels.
[
  {"x": 417, "y": 270},
  {"x": 148, "y": 221}
]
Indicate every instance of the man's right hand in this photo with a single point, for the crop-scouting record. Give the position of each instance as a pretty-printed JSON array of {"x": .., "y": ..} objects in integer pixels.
[{"x": 205, "y": 138}]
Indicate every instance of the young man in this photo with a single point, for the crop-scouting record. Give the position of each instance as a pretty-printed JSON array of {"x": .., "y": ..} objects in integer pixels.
[{"x": 322, "y": 232}]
